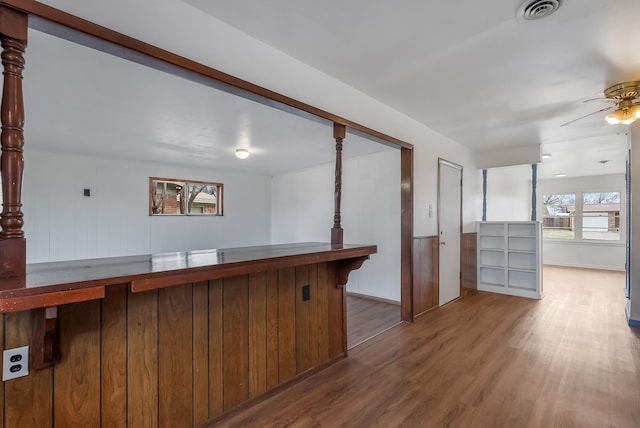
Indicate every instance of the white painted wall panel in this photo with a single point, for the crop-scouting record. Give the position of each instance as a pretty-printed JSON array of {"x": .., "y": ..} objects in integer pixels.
[
  {"x": 302, "y": 210},
  {"x": 62, "y": 224}
]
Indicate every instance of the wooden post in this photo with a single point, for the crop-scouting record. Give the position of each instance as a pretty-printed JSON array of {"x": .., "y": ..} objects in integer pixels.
[
  {"x": 13, "y": 38},
  {"x": 339, "y": 132}
]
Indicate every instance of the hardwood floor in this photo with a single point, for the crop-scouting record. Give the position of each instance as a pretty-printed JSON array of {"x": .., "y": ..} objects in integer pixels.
[
  {"x": 486, "y": 360},
  {"x": 367, "y": 317}
]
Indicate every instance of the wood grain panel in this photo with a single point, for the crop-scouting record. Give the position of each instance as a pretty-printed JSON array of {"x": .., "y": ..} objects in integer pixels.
[
  {"x": 425, "y": 274},
  {"x": 257, "y": 334},
  {"x": 200, "y": 352},
  {"x": 114, "y": 357},
  {"x": 323, "y": 312},
  {"x": 77, "y": 375},
  {"x": 468, "y": 262},
  {"x": 273, "y": 361},
  {"x": 216, "y": 396},
  {"x": 28, "y": 401},
  {"x": 1, "y": 367},
  {"x": 337, "y": 339},
  {"x": 303, "y": 350},
  {"x": 142, "y": 359},
  {"x": 286, "y": 324},
  {"x": 406, "y": 234},
  {"x": 313, "y": 315},
  {"x": 236, "y": 343},
  {"x": 175, "y": 357}
]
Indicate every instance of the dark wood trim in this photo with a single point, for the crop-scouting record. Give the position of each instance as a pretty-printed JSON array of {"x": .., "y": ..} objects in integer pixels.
[
  {"x": 59, "y": 283},
  {"x": 426, "y": 257},
  {"x": 406, "y": 234},
  {"x": 337, "y": 234},
  {"x": 45, "y": 338},
  {"x": 120, "y": 41},
  {"x": 13, "y": 37},
  {"x": 345, "y": 267},
  {"x": 469, "y": 262}
]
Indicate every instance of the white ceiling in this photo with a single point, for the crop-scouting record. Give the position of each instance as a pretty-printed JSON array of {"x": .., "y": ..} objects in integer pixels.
[
  {"x": 84, "y": 101},
  {"x": 468, "y": 69}
]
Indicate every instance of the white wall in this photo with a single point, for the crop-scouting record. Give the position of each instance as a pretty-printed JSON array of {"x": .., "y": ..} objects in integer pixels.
[
  {"x": 508, "y": 193},
  {"x": 252, "y": 60},
  {"x": 302, "y": 210},
  {"x": 62, "y": 224},
  {"x": 590, "y": 254}
]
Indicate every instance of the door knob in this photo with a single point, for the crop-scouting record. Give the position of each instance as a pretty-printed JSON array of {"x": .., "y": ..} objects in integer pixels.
[{"x": 443, "y": 243}]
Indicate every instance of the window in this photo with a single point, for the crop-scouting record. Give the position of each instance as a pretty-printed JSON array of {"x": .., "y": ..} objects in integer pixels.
[
  {"x": 168, "y": 196},
  {"x": 601, "y": 216},
  {"x": 558, "y": 217}
]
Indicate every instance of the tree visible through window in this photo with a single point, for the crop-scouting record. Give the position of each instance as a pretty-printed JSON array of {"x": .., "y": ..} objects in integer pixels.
[
  {"x": 558, "y": 218},
  {"x": 184, "y": 197}
]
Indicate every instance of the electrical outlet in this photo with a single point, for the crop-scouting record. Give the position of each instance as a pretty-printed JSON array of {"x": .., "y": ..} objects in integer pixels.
[
  {"x": 15, "y": 363},
  {"x": 306, "y": 293}
]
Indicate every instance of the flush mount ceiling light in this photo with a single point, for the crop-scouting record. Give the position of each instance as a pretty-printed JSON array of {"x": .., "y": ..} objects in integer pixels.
[
  {"x": 546, "y": 155},
  {"x": 242, "y": 153},
  {"x": 537, "y": 9},
  {"x": 560, "y": 175}
]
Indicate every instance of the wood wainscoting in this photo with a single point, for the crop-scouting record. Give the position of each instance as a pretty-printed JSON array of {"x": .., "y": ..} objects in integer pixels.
[
  {"x": 425, "y": 273},
  {"x": 178, "y": 356},
  {"x": 426, "y": 265},
  {"x": 468, "y": 261}
]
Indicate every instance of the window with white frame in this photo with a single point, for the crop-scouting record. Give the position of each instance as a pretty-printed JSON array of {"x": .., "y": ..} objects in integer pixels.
[{"x": 588, "y": 216}]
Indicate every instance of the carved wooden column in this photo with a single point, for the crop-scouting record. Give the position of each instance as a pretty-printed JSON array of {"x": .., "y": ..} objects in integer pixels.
[
  {"x": 13, "y": 37},
  {"x": 339, "y": 132}
]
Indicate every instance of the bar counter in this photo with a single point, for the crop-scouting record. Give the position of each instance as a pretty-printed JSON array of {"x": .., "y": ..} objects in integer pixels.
[{"x": 55, "y": 283}]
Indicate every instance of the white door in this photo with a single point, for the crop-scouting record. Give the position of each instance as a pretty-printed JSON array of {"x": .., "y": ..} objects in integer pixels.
[{"x": 450, "y": 228}]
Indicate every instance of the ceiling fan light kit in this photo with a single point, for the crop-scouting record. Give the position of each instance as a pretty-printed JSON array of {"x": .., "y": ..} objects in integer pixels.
[{"x": 625, "y": 94}]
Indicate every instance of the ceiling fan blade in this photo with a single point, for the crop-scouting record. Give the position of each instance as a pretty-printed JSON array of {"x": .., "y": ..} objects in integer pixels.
[
  {"x": 607, "y": 100},
  {"x": 587, "y": 115}
]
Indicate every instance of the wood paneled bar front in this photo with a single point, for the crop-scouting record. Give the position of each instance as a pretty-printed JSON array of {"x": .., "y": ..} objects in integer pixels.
[{"x": 176, "y": 339}]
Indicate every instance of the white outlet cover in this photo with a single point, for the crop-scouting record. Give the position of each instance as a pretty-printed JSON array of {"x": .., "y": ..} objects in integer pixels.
[{"x": 7, "y": 364}]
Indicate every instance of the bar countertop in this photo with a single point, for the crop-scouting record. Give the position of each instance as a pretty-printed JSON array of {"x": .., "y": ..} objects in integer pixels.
[{"x": 47, "y": 284}]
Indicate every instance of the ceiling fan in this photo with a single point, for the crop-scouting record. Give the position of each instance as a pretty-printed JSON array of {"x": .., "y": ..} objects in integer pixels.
[{"x": 625, "y": 98}]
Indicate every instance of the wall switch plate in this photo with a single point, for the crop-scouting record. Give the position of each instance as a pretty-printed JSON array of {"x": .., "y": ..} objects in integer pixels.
[{"x": 15, "y": 363}]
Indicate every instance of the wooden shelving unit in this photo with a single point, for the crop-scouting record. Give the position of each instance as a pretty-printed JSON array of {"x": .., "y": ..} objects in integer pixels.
[{"x": 510, "y": 258}]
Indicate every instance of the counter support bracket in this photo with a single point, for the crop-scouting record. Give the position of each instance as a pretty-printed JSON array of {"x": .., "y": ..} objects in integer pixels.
[
  {"x": 45, "y": 338},
  {"x": 344, "y": 268}
]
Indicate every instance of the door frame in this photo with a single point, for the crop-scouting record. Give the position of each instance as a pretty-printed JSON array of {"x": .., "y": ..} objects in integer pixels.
[{"x": 442, "y": 161}]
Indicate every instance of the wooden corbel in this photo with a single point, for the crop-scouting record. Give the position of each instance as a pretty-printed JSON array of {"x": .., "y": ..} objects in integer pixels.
[
  {"x": 344, "y": 268},
  {"x": 45, "y": 338}
]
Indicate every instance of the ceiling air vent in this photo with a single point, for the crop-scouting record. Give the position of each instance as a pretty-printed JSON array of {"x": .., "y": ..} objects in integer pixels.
[{"x": 537, "y": 9}]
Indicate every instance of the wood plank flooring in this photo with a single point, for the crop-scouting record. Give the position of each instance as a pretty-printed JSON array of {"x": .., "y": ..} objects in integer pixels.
[
  {"x": 367, "y": 317},
  {"x": 486, "y": 360}
]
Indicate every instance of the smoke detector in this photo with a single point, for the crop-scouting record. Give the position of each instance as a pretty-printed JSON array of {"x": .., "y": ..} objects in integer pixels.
[{"x": 538, "y": 9}]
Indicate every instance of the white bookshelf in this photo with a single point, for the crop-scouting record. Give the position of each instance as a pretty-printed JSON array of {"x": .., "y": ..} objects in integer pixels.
[{"x": 510, "y": 258}]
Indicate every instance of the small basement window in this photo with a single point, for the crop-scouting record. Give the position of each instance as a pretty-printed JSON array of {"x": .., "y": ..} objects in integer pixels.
[{"x": 168, "y": 196}]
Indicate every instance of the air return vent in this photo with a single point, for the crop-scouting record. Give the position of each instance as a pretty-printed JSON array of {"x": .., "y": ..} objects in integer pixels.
[{"x": 537, "y": 9}]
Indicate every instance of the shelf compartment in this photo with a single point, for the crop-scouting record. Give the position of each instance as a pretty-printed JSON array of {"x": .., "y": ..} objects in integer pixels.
[
  {"x": 522, "y": 280},
  {"x": 493, "y": 276},
  {"x": 522, "y": 243},
  {"x": 492, "y": 229},
  {"x": 525, "y": 261},
  {"x": 522, "y": 230},
  {"x": 491, "y": 243},
  {"x": 492, "y": 258}
]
